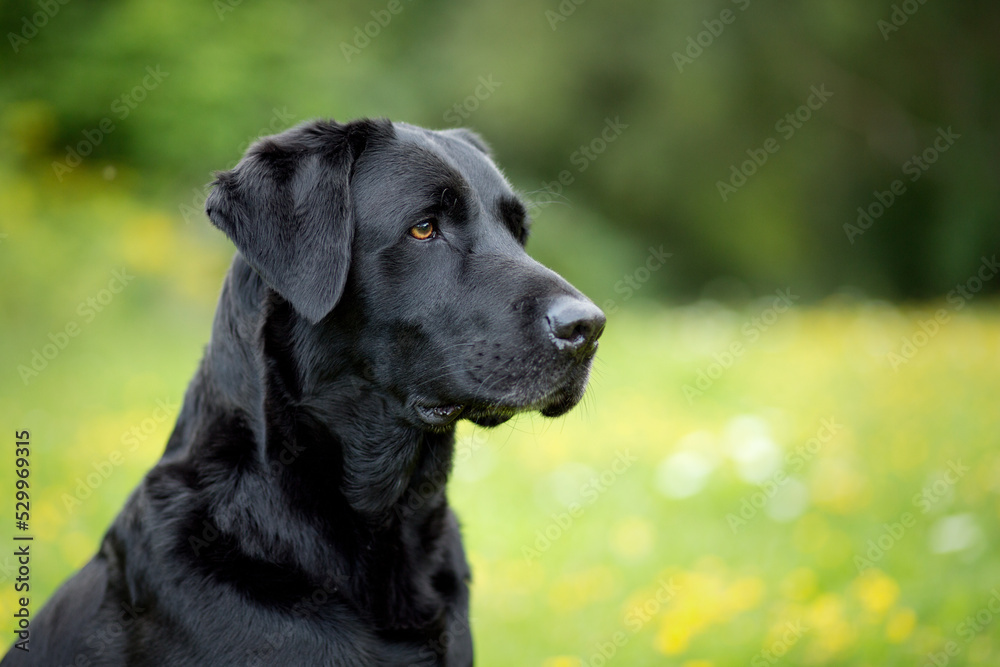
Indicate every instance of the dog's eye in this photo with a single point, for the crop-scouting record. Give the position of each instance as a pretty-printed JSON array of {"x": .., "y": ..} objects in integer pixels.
[{"x": 423, "y": 230}]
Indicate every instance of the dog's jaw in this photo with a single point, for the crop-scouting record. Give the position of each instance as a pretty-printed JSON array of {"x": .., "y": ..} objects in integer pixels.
[
  {"x": 562, "y": 396},
  {"x": 438, "y": 416}
]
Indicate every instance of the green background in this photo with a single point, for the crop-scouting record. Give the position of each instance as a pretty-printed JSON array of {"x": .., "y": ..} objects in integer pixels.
[{"x": 893, "y": 335}]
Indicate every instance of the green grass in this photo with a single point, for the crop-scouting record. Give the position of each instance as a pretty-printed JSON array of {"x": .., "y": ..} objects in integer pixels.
[
  {"x": 896, "y": 434},
  {"x": 675, "y": 471}
]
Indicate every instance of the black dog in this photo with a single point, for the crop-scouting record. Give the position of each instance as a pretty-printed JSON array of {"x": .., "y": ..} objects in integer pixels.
[{"x": 298, "y": 516}]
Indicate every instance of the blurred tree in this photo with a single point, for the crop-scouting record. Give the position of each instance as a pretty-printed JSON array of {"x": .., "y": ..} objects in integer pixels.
[{"x": 696, "y": 90}]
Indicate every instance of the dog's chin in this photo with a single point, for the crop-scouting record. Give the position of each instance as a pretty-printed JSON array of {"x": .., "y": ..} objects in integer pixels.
[
  {"x": 553, "y": 403},
  {"x": 489, "y": 415}
]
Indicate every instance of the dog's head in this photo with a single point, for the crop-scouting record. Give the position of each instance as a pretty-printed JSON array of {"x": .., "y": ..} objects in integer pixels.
[{"x": 410, "y": 243}]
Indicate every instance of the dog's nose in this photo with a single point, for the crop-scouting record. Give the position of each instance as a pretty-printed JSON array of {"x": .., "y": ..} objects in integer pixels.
[{"x": 575, "y": 324}]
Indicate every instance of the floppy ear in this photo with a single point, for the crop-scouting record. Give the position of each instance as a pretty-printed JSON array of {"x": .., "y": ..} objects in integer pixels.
[{"x": 287, "y": 208}]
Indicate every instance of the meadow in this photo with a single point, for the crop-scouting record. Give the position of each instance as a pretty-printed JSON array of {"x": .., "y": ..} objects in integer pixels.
[{"x": 812, "y": 484}]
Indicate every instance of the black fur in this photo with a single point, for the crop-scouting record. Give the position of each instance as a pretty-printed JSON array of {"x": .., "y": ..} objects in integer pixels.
[{"x": 298, "y": 515}]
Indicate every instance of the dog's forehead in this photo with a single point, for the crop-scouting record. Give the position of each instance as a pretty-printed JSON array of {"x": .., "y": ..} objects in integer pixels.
[{"x": 474, "y": 166}]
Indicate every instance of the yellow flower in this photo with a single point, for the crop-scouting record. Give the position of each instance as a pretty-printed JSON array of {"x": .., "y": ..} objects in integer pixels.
[
  {"x": 147, "y": 242},
  {"x": 900, "y": 625},
  {"x": 562, "y": 661},
  {"x": 704, "y": 600},
  {"x": 673, "y": 637},
  {"x": 744, "y": 594},
  {"x": 876, "y": 591},
  {"x": 827, "y": 626}
]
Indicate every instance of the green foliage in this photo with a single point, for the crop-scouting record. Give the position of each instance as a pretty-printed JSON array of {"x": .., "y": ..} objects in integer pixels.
[{"x": 555, "y": 72}]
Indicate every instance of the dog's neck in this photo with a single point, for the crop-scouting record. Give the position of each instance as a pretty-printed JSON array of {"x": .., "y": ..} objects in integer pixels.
[
  {"x": 259, "y": 356},
  {"x": 334, "y": 446}
]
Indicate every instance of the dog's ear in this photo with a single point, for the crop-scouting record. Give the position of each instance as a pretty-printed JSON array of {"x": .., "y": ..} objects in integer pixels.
[
  {"x": 287, "y": 207},
  {"x": 469, "y": 137}
]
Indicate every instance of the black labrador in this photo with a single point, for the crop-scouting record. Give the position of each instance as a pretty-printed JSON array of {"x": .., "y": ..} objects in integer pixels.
[{"x": 381, "y": 292}]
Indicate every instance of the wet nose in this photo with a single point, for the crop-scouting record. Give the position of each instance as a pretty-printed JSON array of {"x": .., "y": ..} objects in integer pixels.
[{"x": 575, "y": 324}]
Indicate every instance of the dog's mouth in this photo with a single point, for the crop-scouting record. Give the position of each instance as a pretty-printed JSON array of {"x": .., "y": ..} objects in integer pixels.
[
  {"x": 482, "y": 415},
  {"x": 555, "y": 403}
]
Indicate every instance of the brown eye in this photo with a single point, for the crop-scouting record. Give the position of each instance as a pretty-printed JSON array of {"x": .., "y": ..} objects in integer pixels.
[{"x": 423, "y": 230}]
